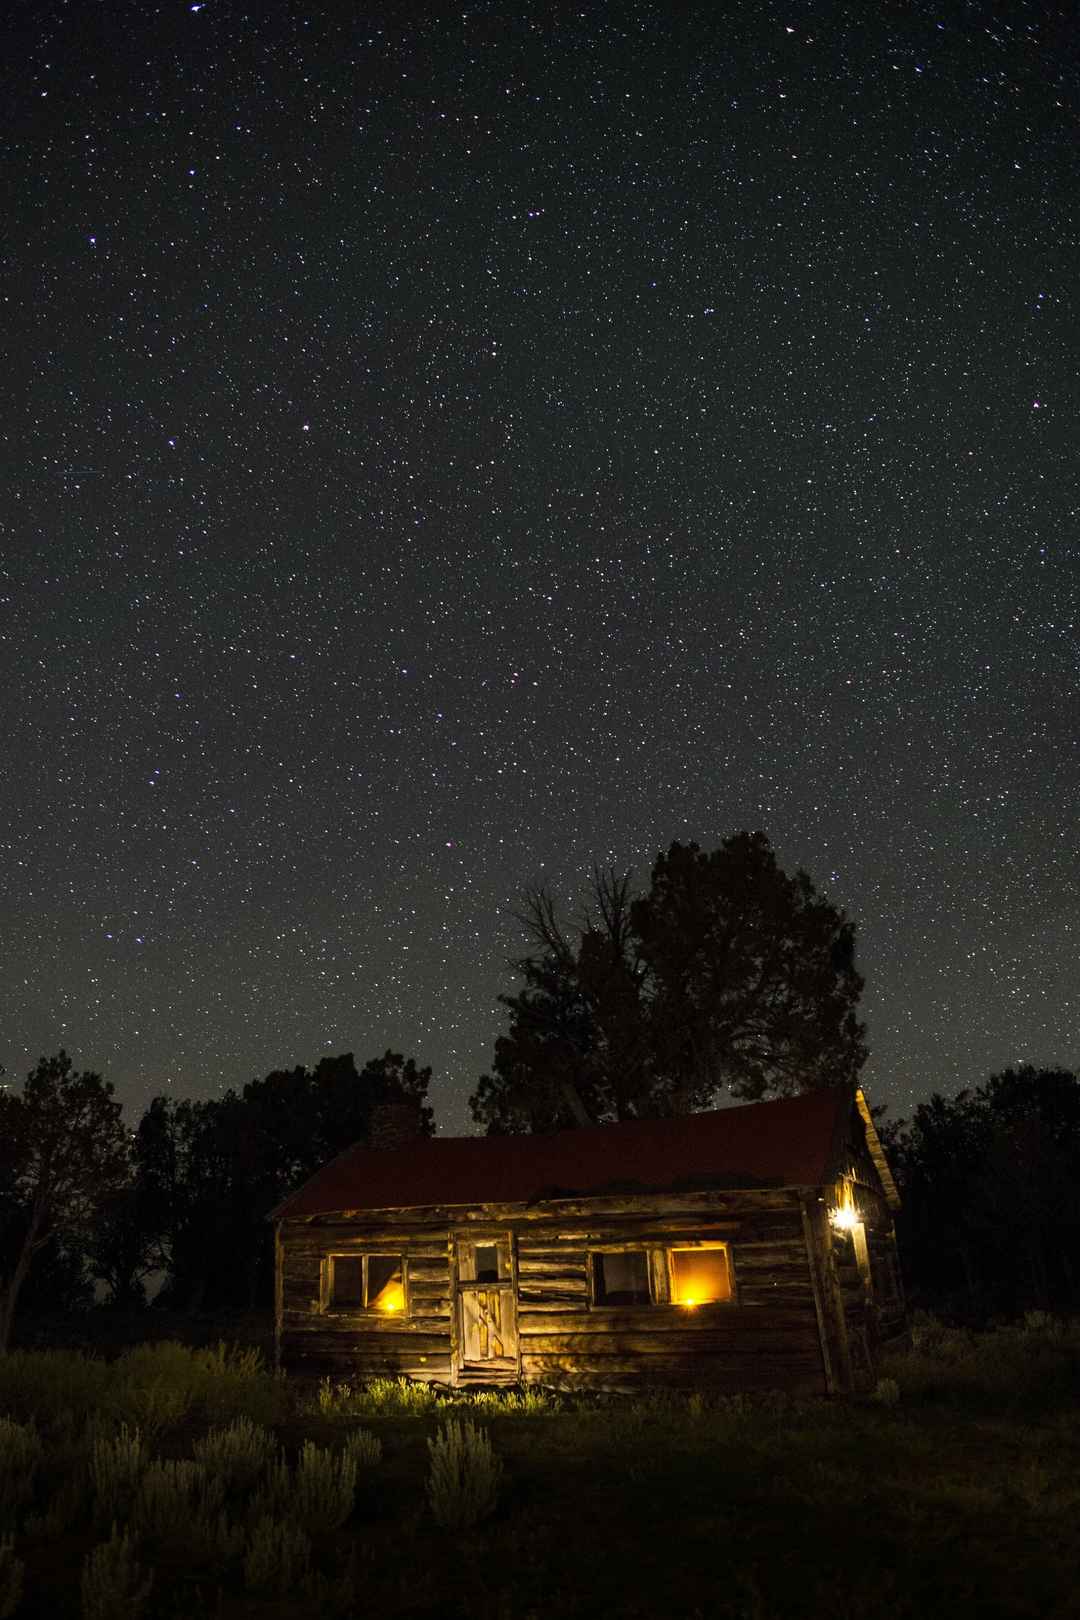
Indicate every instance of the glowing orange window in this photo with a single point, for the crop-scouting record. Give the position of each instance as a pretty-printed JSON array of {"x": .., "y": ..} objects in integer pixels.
[{"x": 699, "y": 1276}]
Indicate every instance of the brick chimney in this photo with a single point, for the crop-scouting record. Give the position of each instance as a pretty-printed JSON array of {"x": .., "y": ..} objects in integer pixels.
[{"x": 393, "y": 1125}]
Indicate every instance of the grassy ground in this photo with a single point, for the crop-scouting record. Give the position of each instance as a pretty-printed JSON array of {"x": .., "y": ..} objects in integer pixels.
[{"x": 955, "y": 1494}]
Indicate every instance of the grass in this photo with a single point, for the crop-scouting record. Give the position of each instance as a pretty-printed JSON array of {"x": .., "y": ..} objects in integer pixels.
[{"x": 956, "y": 1493}]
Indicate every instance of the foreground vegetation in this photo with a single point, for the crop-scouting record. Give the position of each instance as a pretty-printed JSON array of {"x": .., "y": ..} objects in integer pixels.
[{"x": 188, "y": 1482}]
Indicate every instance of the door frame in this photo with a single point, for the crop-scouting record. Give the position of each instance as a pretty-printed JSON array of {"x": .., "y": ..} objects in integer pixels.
[{"x": 498, "y": 1369}]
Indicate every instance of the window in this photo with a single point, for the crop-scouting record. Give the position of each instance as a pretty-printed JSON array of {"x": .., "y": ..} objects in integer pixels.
[
  {"x": 356, "y": 1282},
  {"x": 385, "y": 1287},
  {"x": 347, "y": 1281},
  {"x": 484, "y": 1261},
  {"x": 691, "y": 1275},
  {"x": 699, "y": 1276},
  {"x": 488, "y": 1256},
  {"x": 622, "y": 1278}
]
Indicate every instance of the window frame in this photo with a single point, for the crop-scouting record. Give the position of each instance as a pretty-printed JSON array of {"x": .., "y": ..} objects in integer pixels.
[
  {"x": 330, "y": 1307},
  {"x": 597, "y": 1252},
  {"x": 466, "y": 1262},
  {"x": 660, "y": 1273}
]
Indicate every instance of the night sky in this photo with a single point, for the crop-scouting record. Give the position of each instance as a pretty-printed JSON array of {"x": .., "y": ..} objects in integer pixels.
[{"x": 437, "y": 455}]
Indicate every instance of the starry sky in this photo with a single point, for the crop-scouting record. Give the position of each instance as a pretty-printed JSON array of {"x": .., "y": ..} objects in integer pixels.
[{"x": 442, "y": 450}]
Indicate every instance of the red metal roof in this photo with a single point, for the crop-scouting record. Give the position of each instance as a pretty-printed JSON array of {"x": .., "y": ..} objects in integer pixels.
[{"x": 789, "y": 1143}]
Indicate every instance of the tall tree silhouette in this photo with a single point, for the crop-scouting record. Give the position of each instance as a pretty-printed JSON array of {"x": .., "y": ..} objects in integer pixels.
[
  {"x": 990, "y": 1181},
  {"x": 725, "y": 976},
  {"x": 63, "y": 1152},
  {"x": 209, "y": 1172}
]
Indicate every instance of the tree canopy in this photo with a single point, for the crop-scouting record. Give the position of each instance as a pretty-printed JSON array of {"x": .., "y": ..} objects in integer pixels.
[
  {"x": 725, "y": 976},
  {"x": 208, "y": 1173},
  {"x": 63, "y": 1152},
  {"x": 990, "y": 1181}
]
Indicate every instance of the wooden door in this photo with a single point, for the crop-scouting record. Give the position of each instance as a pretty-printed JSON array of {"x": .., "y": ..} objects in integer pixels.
[{"x": 487, "y": 1337}]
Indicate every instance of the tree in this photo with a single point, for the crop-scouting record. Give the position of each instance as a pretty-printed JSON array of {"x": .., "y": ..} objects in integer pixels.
[
  {"x": 121, "y": 1251},
  {"x": 990, "y": 1181},
  {"x": 63, "y": 1150},
  {"x": 210, "y": 1172},
  {"x": 725, "y": 976}
]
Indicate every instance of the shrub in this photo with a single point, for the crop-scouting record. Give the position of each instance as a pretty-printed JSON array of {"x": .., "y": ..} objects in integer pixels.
[
  {"x": 116, "y": 1467},
  {"x": 237, "y": 1454},
  {"x": 154, "y": 1386},
  {"x": 12, "y": 1570},
  {"x": 274, "y": 1497},
  {"x": 396, "y": 1397},
  {"x": 114, "y": 1586},
  {"x": 179, "y": 1509},
  {"x": 324, "y": 1488},
  {"x": 20, "y": 1457},
  {"x": 886, "y": 1392},
  {"x": 515, "y": 1402},
  {"x": 334, "y": 1399},
  {"x": 45, "y": 1384},
  {"x": 463, "y": 1483},
  {"x": 216, "y": 1541},
  {"x": 158, "y": 1406},
  {"x": 1041, "y": 1325},
  {"x": 278, "y": 1557},
  {"x": 236, "y": 1383},
  {"x": 168, "y": 1495},
  {"x": 62, "y": 1513},
  {"x": 364, "y": 1448},
  {"x": 934, "y": 1339},
  {"x": 330, "y": 1599}
]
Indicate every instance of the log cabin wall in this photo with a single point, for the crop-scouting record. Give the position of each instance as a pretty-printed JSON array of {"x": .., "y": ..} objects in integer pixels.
[
  {"x": 765, "y": 1337},
  {"x": 318, "y": 1341},
  {"x": 774, "y": 1332}
]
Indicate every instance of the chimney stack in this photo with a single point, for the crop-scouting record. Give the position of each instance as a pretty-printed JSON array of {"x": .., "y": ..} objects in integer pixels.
[{"x": 393, "y": 1125}]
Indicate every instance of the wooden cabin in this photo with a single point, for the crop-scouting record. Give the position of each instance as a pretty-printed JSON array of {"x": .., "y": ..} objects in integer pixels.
[{"x": 747, "y": 1248}]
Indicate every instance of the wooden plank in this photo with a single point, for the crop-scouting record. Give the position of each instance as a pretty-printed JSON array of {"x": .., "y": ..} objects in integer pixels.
[
  {"x": 428, "y": 1299},
  {"x": 664, "y": 1319},
  {"x": 300, "y": 1266},
  {"x": 814, "y": 1275},
  {"x": 568, "y": 1267},
  {"x": 794, "y": 1294},
  {"x": 698, "y": 1340},
  {"x": 696, "y": 1366},
  {"x": 612, "y": 1374},
  {"x": 343, "y": 1238},
  {"x": 422, "y": 1369},
  {"x": 298, "y": 1299},
  {"x": 549, "y": 1305},
  {"x": 577, "y": 1278},
  {"x": 297, "y": 1333},
  {"x": 770, "y": 1257},
  {"x": 425, "y": 1269},
  {"x": 764, "y": 1281},
  {"x": 542, "y": 1254},
  {"x": 493, "y": 1215}
]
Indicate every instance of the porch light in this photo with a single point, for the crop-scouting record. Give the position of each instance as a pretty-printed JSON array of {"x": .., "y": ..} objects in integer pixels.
[{"x": 845, "y": 1217}]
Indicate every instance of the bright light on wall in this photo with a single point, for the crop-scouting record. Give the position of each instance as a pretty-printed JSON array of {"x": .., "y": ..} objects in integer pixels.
[{"x": 699, "y": 1276}]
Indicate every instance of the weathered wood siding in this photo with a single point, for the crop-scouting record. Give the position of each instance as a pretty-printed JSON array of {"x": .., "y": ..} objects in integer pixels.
[
  {"x": 869, "y": 1297},
  {"x": 769, "y": 1335},
  {"x": 316, "y": 1342},
  {"x": 765, "y": 1337}
]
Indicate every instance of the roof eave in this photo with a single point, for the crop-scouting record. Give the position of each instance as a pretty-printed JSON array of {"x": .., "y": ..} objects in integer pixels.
[{"x": 877, "y": 1152}]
